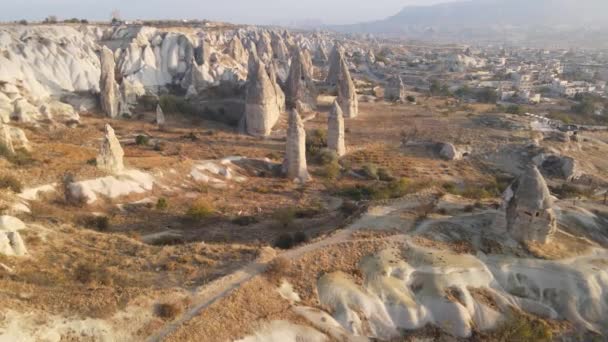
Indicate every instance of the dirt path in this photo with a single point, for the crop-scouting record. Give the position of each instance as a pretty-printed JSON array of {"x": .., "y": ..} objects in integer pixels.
[{"x": 375, "y": 217}]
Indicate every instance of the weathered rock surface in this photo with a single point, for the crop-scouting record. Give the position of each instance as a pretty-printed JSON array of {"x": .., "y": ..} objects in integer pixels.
[
  {"x": 300, "y": 90},
  {"x": 530, "y": 215},
  {"x": 449, "y": 151},
  {"x": 335, "y": 130},
  {"x": 347, "y": 94},
  {"x": 108, "y": 88},
  {"x": 26, "y": 112},
  {"x": 555, "y": 165},
  {"x": 337, "y": 54},
  {"x": 295, "y": 166},
  {"x": 110, "y": 158},
  {"x": 11, "y": 243},
  {"x": 13, "y": 138},
  {"x": 262, "y": 108}
]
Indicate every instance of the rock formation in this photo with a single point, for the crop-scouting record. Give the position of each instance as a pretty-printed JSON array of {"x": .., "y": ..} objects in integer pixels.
[
  {"x": 300, "y": 90},
  {"x": 530, "y": 216},
  {"x": 109, "y": 93},
  {"x": 264, "y": 47},
  {"x": 26, "y": 112},
  {"x": 13, "y": 138},
  {"x": 295, "y": 166},
  {"x": 11, "y": 243},
  {"x": 110, "y": 154},
  {"x": 347, "y": 94},
  {"x": 449, "y": 151},
  {"x": 337, "y": 53},
  {"x": 237, "y": 51},
  {"x": 6, "y": 139},
  {"x": 280, "y": 50},
  {"x": 395, "y": 90},
  {"x": 335, "y": 130},
  {"x": 261, "y": 105},
  {"x": 160, "y": 116}
]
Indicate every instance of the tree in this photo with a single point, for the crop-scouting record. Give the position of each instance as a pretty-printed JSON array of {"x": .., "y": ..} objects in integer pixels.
[
  {"x": 487, "y": 95},
  {"x": 51, "y": 19}
]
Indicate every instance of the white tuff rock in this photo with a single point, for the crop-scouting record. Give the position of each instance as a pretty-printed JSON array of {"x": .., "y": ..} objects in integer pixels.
[
  {"x": 295, "y": 166},
  {"x": 261, "y": 105},
  {"x": 347, "y": 94},
  {"x": 110, "y": 158},
  {"x": 530, "y": 215},
  {"x": 335, "y": 130},
  {"x": 11, "y": 243},
  {"x": 109, "y": 92},
  {"x": 300, "y": 90}
]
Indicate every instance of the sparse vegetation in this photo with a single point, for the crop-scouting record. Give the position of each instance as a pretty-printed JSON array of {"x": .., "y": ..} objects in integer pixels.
[
  {"x": 378, "y": 191},
  {"x": 523, "y": 328},
  {"x": 142, "y": 140},
  {"x": 168, "y": 311},
  {"x": 285, "y": 216},
  {"x": 567, "y": 190},
  {"x": 277, "y": 269},
  {"x": 97, "y": 222},
  {"x": 10, "y": 182},
  {"x": 201, "y": 209},
  {"x": 162, "y": 204}
]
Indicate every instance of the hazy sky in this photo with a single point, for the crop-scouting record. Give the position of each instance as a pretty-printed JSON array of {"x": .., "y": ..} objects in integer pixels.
[{"x": 237, "y": 11}]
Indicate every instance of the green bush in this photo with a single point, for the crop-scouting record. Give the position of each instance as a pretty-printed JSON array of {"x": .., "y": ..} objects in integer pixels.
[
  {"x": 142, "y": 140},
  {"x": 385, "y": 175},
  {"x": 370, "y": 171},
  {"x": 162, "y": 204},
  {"x": 10, "y": 182},
  {"x": 176, "y": 104},
  {"x": 326, "y": 156},
  {"x": 515, "y": 109},
  {"x": 99, "y": 223},
  {"x": 379, "y": 191},
  {"x": 200, "y": 209},
  {"x": 332, "y": 170},
  {"x": 522, "y": 328},
  {"x": 299, "y": 238},
  {"x": 316, "y": 140},
  {"x": 245, "y": 220},
  {"x": 284, "y": 241},
  {"x": 410, "y": 98}
]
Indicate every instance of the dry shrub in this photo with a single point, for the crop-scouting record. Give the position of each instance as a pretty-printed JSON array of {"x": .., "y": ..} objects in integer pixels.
[
  {"x": 201, "y": 209},
  {"x": 168, "y": 311},
  {"x": 10, "y": 182},
  {"x": 90, "y": 274},
  {"x": 277, "y": 269}
]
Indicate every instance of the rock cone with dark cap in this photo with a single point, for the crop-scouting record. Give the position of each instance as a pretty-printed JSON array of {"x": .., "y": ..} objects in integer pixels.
[{"x": 530, "y": 215}]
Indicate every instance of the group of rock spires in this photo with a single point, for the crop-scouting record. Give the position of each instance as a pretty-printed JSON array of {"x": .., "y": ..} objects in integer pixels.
[{"x": 265, "y": 99}]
